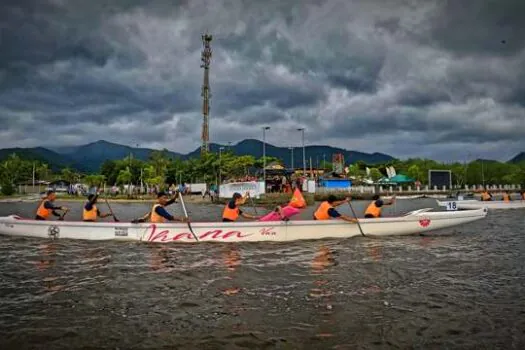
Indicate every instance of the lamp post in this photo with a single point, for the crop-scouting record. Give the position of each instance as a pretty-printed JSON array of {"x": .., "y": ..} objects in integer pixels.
[
  {"x": 304, "y": 152},
  {"x": 264, "y": 153},
  {"x": 482, "y": 174},
  {"x": 220, "y": 165},
  {"x": 291, "y": 156},
  {"x": 141, "y": 175}
]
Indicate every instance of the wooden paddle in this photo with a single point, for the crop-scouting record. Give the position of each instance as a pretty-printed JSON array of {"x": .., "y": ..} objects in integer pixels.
[
  {"x": 357, "y": 220},
  {"x": 111, "y": 210},
  {"x": 187, "y": 218},
  {"x": 253, "y": 204}
]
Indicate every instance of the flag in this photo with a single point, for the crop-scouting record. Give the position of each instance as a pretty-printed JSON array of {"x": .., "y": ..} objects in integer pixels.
[{"x": 297, "y": 200}]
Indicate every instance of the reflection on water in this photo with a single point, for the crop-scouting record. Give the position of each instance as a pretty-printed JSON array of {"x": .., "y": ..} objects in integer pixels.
[
  {"x": 322, "y": 261},
  {"x": 159, "y": 261},
  {"x": 231, "y": 258},
  {"x": 47, "y": 256},
  {"x": 47, "y": 266}
]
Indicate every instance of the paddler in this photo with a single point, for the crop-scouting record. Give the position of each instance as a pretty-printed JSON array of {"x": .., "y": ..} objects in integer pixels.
[
  {"x": 158, "y": 213},
  {"x": 232, "y": 209},
  {"x": 326, "y": 210},
  {"x": 486, "y": 196},
  {"x": 523, "y": 195},
  {"x": 47, "y": 207},
  {"x": 374, "y": 208},
  {"x": 91, "y": 212}
]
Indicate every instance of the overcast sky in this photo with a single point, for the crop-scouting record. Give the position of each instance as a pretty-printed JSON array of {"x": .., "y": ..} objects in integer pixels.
[{"x": 438, "y": 79}]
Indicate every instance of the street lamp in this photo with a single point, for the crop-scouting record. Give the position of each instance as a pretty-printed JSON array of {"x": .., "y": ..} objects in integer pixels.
[
  {"x": 304, "y": 152},
  {"x": 291, "y": 157},
  {"x": 220, "y": 165},
  {"x": 264, "y": 153},
  {"x": 141, "y": 176}
]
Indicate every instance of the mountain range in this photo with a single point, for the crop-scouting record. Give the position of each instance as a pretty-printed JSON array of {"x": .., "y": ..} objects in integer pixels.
[
  {"x": 518, "y": 158},
  {"x": 89, "y": 157}
]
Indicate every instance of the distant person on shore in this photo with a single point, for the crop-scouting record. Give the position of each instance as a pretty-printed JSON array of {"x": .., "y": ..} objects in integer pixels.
[
  {"x": 486, "y": 196},
  {"x": 506, "y": 196},
  {"x": 232, "y": 209},
  {"x": 91, "y": 212},
  {"x": 47, "y": 207},
  {"x": 158, "y": 213},
  {"x": 327, "y": 211},
  {"x": 374, "y": 209}
]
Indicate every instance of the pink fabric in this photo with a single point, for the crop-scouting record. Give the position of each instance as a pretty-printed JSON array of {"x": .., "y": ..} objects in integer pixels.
[{"x": 288, "y": 212}]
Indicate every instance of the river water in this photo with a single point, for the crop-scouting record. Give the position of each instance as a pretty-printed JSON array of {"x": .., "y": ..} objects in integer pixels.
[{"x": 457, "y": 288}]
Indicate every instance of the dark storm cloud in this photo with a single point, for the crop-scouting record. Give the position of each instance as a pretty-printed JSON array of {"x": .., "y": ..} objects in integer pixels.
[
  {"x": 367, "y": 74},
  {"x": 491, "y": 27}
]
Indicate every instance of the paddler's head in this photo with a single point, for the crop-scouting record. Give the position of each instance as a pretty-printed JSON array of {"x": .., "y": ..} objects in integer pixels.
[
  {"x": 375, "y": 197},
  {"x": 331, "y": 199},
  {"x": 162, "y": 198},
  {"x": 92, "y": 198},
  {"x": 237, "y": 198},
  {"x": 50, "y": 195}
]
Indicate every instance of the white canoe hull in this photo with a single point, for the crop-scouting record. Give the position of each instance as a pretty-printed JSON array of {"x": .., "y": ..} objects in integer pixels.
[
  {"x": 418, "y": 221},
  {"x": 474, "y": 204}
]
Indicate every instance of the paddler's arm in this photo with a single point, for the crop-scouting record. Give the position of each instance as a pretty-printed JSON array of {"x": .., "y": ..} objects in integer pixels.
[
  {"x": 103, "y": 215},
  {"x": 279, "y": 211},
  {"x": 94, "y": 199},
  {"x": 337, "y": 215},
  {"x": 380, "y": 202},
  {"x": 143, "y": 218},
  {"x": 247, "y": 216},
  {"x": 162, "y": 212},
  {"x": 172, "y": 200},
  {"x": 48, "y": 205},
  {"x": 338, "y": 203},
  {"x": 246, "y": 195}
]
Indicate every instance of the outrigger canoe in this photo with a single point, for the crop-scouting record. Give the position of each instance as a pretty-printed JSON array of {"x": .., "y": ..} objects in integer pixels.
[
  {"x": 475, "y": 204},
  {"x": 414, "y": 222}
]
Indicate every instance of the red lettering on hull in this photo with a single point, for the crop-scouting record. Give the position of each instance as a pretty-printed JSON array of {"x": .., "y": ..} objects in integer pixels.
[
  {"x": 268, "y": 232},
  {"x": 167, "y": 235}
]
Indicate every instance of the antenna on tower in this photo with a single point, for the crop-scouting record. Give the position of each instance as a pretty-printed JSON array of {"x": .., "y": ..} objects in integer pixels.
[{"x": 206, "y": 58}]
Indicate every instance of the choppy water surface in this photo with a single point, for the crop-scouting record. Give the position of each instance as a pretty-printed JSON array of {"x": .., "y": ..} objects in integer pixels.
[{"x": 457, "y": 288}]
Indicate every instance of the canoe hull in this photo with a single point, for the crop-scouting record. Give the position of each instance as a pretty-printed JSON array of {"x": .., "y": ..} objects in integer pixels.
[
  {"x": 493, "y": 205},
  {"x": 415, "y": 222}
]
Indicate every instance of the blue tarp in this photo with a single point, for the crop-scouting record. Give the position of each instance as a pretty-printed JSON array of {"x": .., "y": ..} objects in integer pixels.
[{"x": 336, "y": 183}]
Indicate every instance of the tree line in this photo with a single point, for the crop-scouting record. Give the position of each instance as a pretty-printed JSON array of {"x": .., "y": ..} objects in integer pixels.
[{"x": 161, "y": 170}]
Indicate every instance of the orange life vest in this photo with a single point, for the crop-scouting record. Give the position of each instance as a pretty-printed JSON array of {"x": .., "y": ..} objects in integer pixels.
[
  {"x": 322, "y": 211},
  {"x": 230, "y": 214},
  {"x": 506, "y": 197},
  {"x": 373, "y": 210},
  {"x": 89, "y": 215},
  {"x": 42, "y": 211},
  {"x": 485, "y": 196},
  {"x": 154, "y": 217},
  {"x": 297, "y": 200}
]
